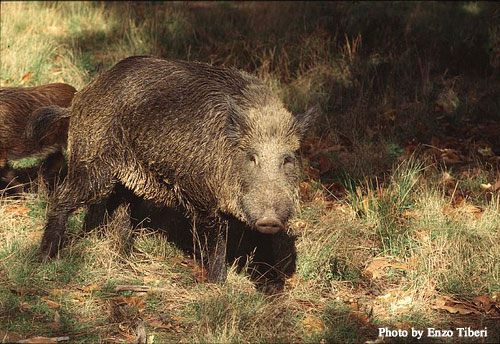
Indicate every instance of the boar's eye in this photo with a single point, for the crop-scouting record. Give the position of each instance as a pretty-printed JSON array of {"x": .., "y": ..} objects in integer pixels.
[
  {"x": 253, "y": 158},
  {"x": 288, "y": 159}
]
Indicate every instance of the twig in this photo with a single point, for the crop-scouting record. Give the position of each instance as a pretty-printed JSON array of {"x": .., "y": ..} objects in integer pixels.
[
  {"x": 137, "y": 288},
  {"x": 55, "y": 339}
]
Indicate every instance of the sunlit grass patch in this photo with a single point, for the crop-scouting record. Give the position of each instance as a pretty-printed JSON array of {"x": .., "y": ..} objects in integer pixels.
[
  {"x": 383, "y": 207},
  {"x": 323, "y": 257},
  {"x": 231, "y": 315},
  {"x": 455, "y": 251}
]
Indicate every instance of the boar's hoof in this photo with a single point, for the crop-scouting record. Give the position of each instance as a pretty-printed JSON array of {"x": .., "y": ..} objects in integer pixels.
[
  {"x": 269, "y": 225},
  {"x": 50, "y": 246}
]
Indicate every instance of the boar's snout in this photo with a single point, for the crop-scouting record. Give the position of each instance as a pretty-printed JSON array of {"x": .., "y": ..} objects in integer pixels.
[{"x": 269, "y": 225}]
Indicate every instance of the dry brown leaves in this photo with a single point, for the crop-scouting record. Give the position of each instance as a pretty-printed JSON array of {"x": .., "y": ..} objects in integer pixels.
[
  {"x": 126, "y": 312},
  {"x": 26, "y": 78},
  {"x": 318, "y": 151},
  {"x": 127, "y": 304},
  {"x": 16, "y": 210},
  {"x": 461, "y": 207},
  {"x": 324, "y": 196},
  {"x": 313, "y": 324},
  {"x": 393, "y": 301},
  {"x": 377, "y": 267},
  {"x": 482, "y": 304},
  {"x": 50, "y": 303},
  {"x": 9, "y": 337},
  {"x": 200, "y": 274}
]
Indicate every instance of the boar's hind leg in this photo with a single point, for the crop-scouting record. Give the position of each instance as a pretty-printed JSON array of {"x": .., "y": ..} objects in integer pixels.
[{"x": 81, "y": 187}]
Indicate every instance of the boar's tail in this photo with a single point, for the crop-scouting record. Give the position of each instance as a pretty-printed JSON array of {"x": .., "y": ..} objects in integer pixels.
[{"x": 43, "y": 120}]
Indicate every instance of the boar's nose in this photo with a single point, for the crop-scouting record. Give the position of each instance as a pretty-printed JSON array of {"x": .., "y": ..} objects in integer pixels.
[{"x": 269, "y": 225}]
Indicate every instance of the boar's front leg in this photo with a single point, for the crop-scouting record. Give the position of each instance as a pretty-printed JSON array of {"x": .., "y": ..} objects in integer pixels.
[
  {"x": 211, "y": 239},
  {"x": 217, "y": 272}
]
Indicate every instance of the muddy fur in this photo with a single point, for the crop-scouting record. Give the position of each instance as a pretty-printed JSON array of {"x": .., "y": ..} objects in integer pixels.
[
  {"x": 212, "y": 142},
  {"x": 16, "y": 107}
]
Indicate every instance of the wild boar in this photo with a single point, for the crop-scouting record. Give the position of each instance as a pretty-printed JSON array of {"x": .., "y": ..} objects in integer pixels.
[
  {"x": 16, "y": 107},
  {"x": 214, "y": 142}
]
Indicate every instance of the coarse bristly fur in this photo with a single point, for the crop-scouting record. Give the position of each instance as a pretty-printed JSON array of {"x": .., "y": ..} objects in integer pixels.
[
  {"x": 212, "y": 141},
  {"x": 16, "y": 107}
]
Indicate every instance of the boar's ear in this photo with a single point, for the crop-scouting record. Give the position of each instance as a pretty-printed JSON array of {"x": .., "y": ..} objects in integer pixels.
[
  {"x": 306, "y": 119},
  {"x": 236, "y": 123}
]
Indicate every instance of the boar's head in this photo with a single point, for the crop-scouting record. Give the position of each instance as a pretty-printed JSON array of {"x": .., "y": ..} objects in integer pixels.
[{"x": 267, "y": 138}]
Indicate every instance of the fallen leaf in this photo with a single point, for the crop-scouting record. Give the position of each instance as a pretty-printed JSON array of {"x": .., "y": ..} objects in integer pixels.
[
  {"x": 26, "y": 78},
  {"x": 132, "y": 301},
  {"x": 50, "y": 303},
  {"x": 485, "y": 187},
  {"x": 409, "y": 214},
  {"x": 459, "y": 310},
  {"x": 305, "y": 190},
  {"x": 435, "y": 142},
  {"x": 483, "y": 302},
  {"x": 452, "y": 306},
  {"x": 376, "y": 268},
  {"x": 136, "y": 302},
  {"x": 313, "y": 324},
  {"x": 486, "y": 151},
  {"x": 9, "y": 337},
  {"x": 312, "y": 173},
  {"x": 450, "y": 156},
  {"x": 336, "y": 189},
  {"x": 58, "y": 292},
  {"x": 496, "y": 185},
  {"x": 24, "y": 306},
  {"x": 324, "y": 164},
  {"x": 91, "y": 288},
  {"x": 200, "y": 274},
  {"x": 422, "y": 236},
  {"x": 390, "y": 115},
  {"x": 17, "y": 210},
  {"x": 159, "y": 324},
  {"x": 299, "y": 224}
]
